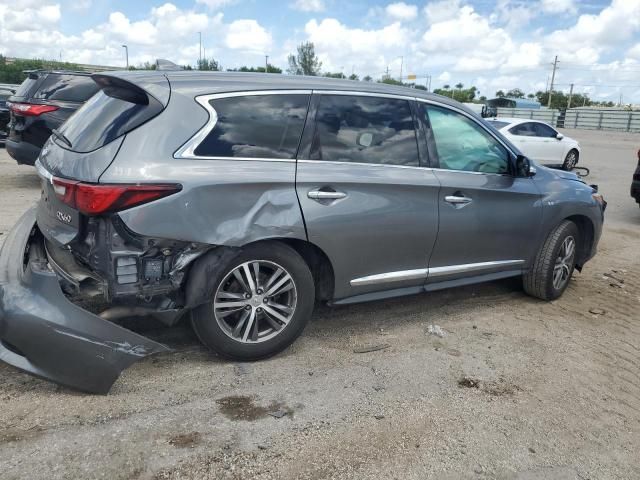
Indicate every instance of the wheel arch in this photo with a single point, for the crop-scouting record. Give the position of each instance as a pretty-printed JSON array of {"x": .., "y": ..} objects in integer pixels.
[
  {"x": 587, "y": 236},
  {"x": 198, "y": 287}
]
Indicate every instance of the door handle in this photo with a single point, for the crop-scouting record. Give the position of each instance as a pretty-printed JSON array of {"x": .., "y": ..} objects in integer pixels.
[
  {"x": 325, "y": 195},
  {"x": 456, "y": 200}
]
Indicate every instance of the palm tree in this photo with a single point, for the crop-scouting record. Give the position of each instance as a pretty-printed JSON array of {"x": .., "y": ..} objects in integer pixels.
[{"x": 459, "y": 87}]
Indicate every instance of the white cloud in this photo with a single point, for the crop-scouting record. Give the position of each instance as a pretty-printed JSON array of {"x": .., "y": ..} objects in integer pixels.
[
  {"x": 215, "y": 4},
  {"x": 248, "y": 35},
  {"x": 444, "y": 77},
  {"x": 340, "y": 46},
  {"x": 634, "y": 52},
  {"x": 441, "y": 10},
  {"x": 558, "y": 6},
  {"x": 402, "y": 11},
  {"x": 309, "y": 5}
]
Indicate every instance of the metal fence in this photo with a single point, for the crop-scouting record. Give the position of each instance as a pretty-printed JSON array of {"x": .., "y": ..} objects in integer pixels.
[
  {"x": 619, "y": 120},
  {"x": 545, "y": 115},
  {"x": 589, "y": 119}
]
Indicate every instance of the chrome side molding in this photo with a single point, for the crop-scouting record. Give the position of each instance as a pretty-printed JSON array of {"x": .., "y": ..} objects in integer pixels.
[{"x": 424, "y": 273}]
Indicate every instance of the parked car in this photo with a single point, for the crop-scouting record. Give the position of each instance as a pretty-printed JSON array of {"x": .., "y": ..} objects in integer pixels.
[
  {"x": 5, "y": 93},
  {"x": 240, "y": 200},
  {"x": 540, "y": 141},
  {"x": 42, "y": 103},
  {"x": 635, "y": 183}
]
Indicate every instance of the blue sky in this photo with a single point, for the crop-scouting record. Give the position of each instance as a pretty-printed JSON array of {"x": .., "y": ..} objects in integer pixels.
[{"x": 493, "y": 44}]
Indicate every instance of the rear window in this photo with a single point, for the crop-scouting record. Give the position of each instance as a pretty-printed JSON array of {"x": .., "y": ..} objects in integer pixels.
[
  {"x": 109, "y": 114},
  {"x": 256, "y": 126},
  {"x": 498, "y": 125},
  {"x": 66, "y": 88}
]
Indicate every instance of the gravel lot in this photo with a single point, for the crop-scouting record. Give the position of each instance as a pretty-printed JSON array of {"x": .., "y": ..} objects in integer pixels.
[{"x": 515, "y": 389}]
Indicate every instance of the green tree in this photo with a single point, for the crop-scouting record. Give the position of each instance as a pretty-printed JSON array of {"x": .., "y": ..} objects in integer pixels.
[
  {"x": 483, "y": 98},
  {"x": 270, "y": 69},
  {"x": 306, "y": 62},
  {"x": 367, "y": 78},
  {"x": 209, "y": 64},
  {"x": 531, "y": 95},
  {"x": 515, "y": 93},
  {"x": 333, "y": 75},
  {"x": 500, "y": 94},
  {"x": 353, "y": 76},
  {"x": 11, "y": 69}
]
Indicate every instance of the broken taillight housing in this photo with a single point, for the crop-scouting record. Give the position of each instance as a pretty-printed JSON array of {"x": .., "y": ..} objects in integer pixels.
[
  {"x": 30, "y": 110},
  {"x": 96, "y": 199}
]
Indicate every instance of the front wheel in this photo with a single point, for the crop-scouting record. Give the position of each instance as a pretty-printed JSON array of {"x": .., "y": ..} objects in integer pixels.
[
  {"x": 553, "y": 266},
  {"x": 261, "y": 303},
  {"x": 570, "y": 161}
]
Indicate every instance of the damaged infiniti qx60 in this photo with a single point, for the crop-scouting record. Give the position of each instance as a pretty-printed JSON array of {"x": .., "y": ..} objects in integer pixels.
[{"x": 236, "y": 201}]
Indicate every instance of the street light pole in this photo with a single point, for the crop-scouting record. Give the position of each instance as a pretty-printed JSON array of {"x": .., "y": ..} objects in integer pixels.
[
  {"x": 126, "y": 52},
  {"x": 401, "y": 63},
  {"x": 266, "y": 64},
  {"x": 200, "y": 51}
]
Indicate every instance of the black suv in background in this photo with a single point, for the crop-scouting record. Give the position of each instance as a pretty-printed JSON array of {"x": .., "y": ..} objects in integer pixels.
[
  {"x": 5, "y": 93},
  {"x": 42, "y": 103}
]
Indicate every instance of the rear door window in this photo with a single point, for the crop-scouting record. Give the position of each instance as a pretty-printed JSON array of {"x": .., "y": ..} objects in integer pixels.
[
  {"x": 365, "y": 129},
  {"x": 256, "y": 126},
  {"x": 66, "y": 88},
  {"x": 544, "y": 131},
  {"x": 524, "y": 130}
]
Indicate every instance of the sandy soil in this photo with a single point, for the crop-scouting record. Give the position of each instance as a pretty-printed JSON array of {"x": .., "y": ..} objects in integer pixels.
[{"x": 516, "y": 389}]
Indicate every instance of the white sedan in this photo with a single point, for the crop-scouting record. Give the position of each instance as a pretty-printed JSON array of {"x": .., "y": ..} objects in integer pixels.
[{"x": 539, "y": 141}]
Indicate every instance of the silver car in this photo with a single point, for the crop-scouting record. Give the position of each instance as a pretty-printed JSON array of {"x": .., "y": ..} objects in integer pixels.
[{"x": 237, "y": 201}]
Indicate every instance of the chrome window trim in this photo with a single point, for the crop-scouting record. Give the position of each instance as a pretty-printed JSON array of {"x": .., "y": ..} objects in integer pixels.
[
  {"x": 358, "y": 93},
  {"x": 420, "y": 273},
  {"x": 427, "y": 273},
  {"x": 471, "y": 267},
  {"x": 364, "y": 164},
  {"x": 186, "y": 151}
]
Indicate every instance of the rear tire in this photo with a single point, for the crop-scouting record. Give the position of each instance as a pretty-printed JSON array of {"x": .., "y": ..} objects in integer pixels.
[
  {"x": 553, "y": 266},
  {"x": 571, "y": 160},
  {"x": 260, "y": 304}
]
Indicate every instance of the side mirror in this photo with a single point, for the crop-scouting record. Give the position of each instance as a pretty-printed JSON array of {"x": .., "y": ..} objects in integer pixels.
[
  {"x": 559, "y": 136},
  {"x": 524, "y": 167}
]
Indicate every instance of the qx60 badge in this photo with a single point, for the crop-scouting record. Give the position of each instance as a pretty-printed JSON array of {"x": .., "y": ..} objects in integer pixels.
[{"x": 63, "y": 217}]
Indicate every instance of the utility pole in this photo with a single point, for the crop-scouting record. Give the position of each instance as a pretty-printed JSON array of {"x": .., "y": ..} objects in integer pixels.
[
  {"x": 126, "y": 51},
  {"x": 553, "y": 77},
  {"x": 401, "y": 62},
  {"x": 266, "y": 64},
  {"x": 200, "y": 51},
  {"x": 387, "y": 74},
  {"x": 570, "y": 95}
]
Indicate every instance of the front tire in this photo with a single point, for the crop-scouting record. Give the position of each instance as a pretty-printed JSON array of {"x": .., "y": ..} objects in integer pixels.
[
  {"x": 554, "y": 264},
  {"x": 571, "y": 160},
  {"x": 260, "y": 304}
]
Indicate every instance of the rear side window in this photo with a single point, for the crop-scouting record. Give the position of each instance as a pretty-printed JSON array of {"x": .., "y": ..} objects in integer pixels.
[
  {"x": 364, "y": 129},
  {"x": 543, "y": 130},
  {"x": 113, "y": 111},
  {"x": 256, "y": 126},
  {"x": 66, "y": 88},
  {"x": 27, "y": 87},
  {"x": 524, "y": 130}
]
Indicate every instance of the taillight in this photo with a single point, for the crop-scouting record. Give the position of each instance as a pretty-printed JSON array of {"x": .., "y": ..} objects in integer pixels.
[
  {"x": 92, "y": 199},
  {"x": 30, "y": 110}
]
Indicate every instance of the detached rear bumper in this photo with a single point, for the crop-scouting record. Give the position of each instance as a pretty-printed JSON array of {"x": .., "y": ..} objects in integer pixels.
[{"x": 44, "y": 334}]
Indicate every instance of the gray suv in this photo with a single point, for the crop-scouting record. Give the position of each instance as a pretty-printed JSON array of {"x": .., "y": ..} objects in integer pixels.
[{"x": 239, "y": 200}]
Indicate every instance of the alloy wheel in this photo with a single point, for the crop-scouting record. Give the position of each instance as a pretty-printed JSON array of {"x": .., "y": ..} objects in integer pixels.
[
  {"x": 571, "y": 160},
  {"x": 255, "y": 301},
  {"x": 564, "y": 263}
]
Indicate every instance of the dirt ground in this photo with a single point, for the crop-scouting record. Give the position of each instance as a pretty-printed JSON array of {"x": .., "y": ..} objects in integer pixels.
[{"x": 515, "y": 389}]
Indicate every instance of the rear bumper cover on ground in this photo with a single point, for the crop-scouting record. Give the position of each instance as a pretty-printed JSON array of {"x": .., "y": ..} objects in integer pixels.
[{"x": 44, "y": 334}]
